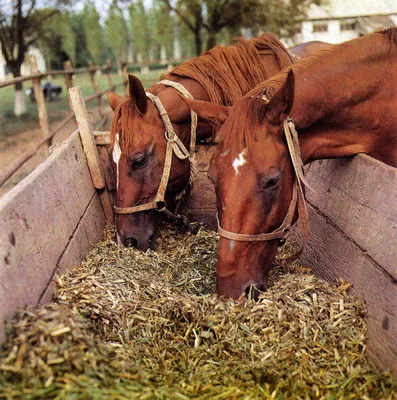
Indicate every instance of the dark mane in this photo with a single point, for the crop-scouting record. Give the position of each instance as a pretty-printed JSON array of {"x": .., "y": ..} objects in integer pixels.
[
  {"x": 227, "y": 73},
  {"x": 250, "y": 109}
]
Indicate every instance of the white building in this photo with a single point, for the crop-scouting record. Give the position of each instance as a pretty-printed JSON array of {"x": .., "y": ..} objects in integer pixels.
[
  {"x": 342, "y": 20},
  {"x": 25, "y": 70}
]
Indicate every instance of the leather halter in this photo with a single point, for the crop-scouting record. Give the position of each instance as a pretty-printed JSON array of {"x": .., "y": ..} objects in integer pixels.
[
  {"x": 174, "y": 145},
  {"x": 298, "y": 198}
]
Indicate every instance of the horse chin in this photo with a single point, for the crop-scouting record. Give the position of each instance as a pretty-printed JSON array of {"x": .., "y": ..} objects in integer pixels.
[
  {"x": 142, "y": 244},
  {"x": 243, "y": 271},
  {"x": 138, "y": 231},
  {"x": 233, "y": 288}
]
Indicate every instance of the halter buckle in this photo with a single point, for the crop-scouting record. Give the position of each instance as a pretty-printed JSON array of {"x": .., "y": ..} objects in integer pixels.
[
  {"x": 167, "y": 137},
  {"x": 161, "y": 206}
]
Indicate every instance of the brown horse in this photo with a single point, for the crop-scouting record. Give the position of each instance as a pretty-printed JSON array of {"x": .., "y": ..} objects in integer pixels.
[
  {"x": 222, "y": 76},
  {"x": 343, "y": 102}
]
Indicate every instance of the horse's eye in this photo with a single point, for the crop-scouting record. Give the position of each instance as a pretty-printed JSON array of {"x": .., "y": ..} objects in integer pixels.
[
  {"x": 139, "y": 162},
  {"x": 272, "y": 182}
]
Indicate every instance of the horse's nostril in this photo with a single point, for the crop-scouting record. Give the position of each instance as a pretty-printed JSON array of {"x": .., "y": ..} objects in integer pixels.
[
  {"x": 253, "y": 291},
  {"x": 131, "y": 242}
]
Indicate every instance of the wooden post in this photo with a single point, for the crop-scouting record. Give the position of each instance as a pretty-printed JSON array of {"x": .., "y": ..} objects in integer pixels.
[
  {"x": 108, "y": 67},
  {"x": 67, "y": 65},
  {"x": 95, "y": 84},
  {"x": 125, "y": 76},
  {"x": 90, "y": 150},
  {"x": 40, "y": 101}
]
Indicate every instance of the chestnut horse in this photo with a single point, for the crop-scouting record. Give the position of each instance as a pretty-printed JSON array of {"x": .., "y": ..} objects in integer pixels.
[
  {"x": 148, "y": 180},
  {"x": 343, "y": 101}
]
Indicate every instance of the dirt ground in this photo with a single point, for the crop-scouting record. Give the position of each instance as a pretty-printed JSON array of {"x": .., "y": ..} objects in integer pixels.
[{"x": 13, "y": 146}]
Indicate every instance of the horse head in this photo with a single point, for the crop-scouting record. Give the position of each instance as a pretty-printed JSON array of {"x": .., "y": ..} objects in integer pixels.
[
  {"x": 253, "y": 176},
  {"x": 139, "y": 147}
]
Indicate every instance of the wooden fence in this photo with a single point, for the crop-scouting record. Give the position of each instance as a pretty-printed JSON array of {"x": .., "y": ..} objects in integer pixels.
[{"x": 48, "y": 134}]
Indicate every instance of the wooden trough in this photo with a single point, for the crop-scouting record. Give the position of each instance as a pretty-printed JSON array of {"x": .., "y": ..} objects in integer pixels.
[{"x": 50, "y": 220}]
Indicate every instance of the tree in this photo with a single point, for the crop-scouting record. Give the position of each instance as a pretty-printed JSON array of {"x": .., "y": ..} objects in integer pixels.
[
  {"x": 117, "y": 32},
  {"x": 212, "y": 17},
  {"x": 93, "y": 33},
  {"x": 59, "y": 41},
  {"x": 140, "y": 30},
  {"x": 21, "y": 26},
  {"x": 163, "y": 29}
]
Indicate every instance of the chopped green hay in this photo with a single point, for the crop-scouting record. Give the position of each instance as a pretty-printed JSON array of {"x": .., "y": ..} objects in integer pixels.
[{"x": 132, "y": 325}]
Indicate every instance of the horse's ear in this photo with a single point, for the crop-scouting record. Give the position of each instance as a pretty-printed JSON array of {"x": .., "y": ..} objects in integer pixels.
[
  {"x": 114, "y": 100},
  {"x": 280, "y": 104},
  {"x": 212, "y": 113},
  {"x": 137, "y": 93}
]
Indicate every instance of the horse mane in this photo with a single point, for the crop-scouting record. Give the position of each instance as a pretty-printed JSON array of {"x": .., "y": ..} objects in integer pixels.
[
  {"x": 251, "y": 109},
  {"x": 124, "y": 113},
  {"x": 226, "y": 74},
  {"x": 217, "y": 71}
]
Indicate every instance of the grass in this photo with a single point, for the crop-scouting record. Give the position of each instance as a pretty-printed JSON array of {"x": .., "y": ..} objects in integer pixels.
[{"x": 57, "y": 110}]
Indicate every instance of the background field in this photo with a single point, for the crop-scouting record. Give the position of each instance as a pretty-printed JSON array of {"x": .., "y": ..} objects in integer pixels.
[{"x": 19, "y": 134}]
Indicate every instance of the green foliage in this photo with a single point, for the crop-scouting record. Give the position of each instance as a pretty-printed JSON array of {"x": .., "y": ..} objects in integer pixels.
[
  {"x": 214, "y": 21},
  {"x": 58, "y": 42},
  {"x": 117, "y": 32},
  {"x": 93, "y": 33},
  {"x": 140, "y": 30},
  {"x": 163, "y": 27},
  {"x": 77, "y": 26}
]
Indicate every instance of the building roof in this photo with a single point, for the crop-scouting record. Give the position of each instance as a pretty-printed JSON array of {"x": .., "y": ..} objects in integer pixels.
[{"x": 352, "y": 8}]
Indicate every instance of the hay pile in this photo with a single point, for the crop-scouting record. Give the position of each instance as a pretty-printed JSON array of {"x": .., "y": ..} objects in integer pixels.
[{"x": 131, "y": 325}]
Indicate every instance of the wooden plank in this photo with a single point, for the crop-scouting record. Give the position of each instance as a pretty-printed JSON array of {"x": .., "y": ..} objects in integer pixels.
[
  {"x": 332, "y": 255},
  {"x": 353, "y": 235},
  {"x": 90, "y": 150},
  {"x": 88, "y": 232},
  {"x": 86, "y": 135},
  {"x": 102, "y": 138},
  {"x": 202, "y": 204},
  {"x": 203, "y": 193},
  {"x": 107, "y": 167},
  {"x": 203, "y": 156},
  {"x": 359, "y": 196},
  {"x": 37, "y": 218}
]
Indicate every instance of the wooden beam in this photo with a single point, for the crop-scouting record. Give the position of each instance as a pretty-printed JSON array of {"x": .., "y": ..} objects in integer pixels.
[{"x": 90, "y": 149}]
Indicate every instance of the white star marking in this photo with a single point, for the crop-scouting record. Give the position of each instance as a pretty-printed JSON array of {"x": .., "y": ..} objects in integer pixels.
[{"x": 239, "y": 161}]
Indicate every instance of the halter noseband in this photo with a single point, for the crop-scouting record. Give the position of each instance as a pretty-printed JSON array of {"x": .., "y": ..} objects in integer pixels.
[
  {"x": 174, "y": 145},
  {"x": 298, "y": 198}
]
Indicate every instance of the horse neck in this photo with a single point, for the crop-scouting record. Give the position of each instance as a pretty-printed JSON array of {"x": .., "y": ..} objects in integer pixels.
[
  {"x": 178, "y": 111},
  {"x": 335, "y": 101}
]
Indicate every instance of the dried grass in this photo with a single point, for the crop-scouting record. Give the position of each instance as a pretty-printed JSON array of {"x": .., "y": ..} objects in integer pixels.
[{"x": 132, "y": 325}]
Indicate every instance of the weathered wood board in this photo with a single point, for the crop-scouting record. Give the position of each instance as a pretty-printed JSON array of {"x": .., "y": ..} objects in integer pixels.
[
  {"x": 202, "y": 204},
  {"x": 47, "y": 222},
  {"x": 353, "y": 235}
]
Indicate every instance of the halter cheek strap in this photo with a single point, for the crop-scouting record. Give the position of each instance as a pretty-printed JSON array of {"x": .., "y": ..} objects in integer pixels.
[
  {"x": 298, "y": 199},
  {"x": 174, "y": 145}
]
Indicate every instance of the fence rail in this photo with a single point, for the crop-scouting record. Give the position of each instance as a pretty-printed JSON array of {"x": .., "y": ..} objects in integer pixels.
[{"x": 48, "y": 134}]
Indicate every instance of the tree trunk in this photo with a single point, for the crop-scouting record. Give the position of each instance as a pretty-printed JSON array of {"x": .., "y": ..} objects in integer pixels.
[
  {"x": 199, "y": 42},
  {"x": 19, "y": 104},
  {"x": 211, "y": 41}
]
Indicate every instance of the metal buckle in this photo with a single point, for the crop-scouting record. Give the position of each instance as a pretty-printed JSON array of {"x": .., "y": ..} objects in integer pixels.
[
  {"x": 161, "y": 206},
  {"x": 167, "y": 138}
]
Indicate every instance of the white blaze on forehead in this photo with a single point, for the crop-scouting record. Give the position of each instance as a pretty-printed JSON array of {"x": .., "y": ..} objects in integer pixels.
[
  {"x": 117, "y": 155},
  {"x": 239, "y": 161}
]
